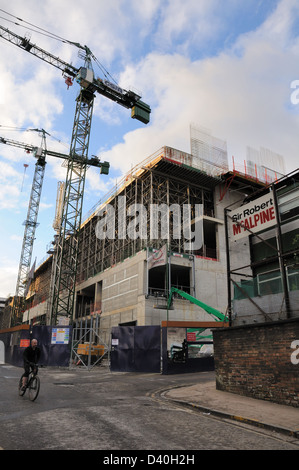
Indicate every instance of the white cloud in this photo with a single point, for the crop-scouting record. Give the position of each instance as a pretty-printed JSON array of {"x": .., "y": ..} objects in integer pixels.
[
  {"x": 33, "y": 100},
  {"x": 97, "y": 182},
  {"x": 197, "y": 23},
  {"x": 107, "y": 111},
  {"x": 242, "y": 97},
  {"x": 45, "y": 205},
  {"x": 8, "y": 277},
  {"x": 16, "y": 237},
  {"x": 8, "y": 197},
  {"x": 10, "y": 185}
]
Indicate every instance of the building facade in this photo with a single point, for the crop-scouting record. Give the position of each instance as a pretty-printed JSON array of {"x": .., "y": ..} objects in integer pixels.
[
  {"x": 163, "y": 226},
  {"x": 267, "y": 288}
]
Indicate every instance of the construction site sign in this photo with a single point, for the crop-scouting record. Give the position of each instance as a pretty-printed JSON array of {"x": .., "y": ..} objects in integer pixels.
[
  {"x": 253, "y": 217},
  {"x": 157, "y": 258},
  {"x": 60, "y": 336}
]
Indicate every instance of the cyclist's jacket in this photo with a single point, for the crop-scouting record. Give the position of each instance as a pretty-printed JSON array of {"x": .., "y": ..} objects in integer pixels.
[{"x": 31, "y": 355}]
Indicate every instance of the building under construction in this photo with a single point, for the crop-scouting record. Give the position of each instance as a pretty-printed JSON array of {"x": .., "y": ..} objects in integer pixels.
[{"x": 162, "y": 226}]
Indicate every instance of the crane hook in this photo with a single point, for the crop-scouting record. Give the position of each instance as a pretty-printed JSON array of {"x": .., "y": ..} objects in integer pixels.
[
  {"x": 25, "y": 167},
  {"x": 68, "y": 82}
]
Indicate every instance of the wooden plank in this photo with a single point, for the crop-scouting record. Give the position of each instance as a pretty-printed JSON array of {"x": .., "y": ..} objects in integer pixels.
[
  {"x": 194, "y": 324},
  {"x": 15, "y": 328}
]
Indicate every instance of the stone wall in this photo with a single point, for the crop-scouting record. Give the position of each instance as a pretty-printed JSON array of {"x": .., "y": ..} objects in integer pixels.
[{"x": 260, "y": 361}]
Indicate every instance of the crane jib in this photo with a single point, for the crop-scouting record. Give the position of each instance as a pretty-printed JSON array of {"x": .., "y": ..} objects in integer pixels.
[
  {"x": 129, "y": 99},
  {"x": 84, "y": 76},
  {"x": 27, "y": 46},
  {"x": 40, "y": 152}
]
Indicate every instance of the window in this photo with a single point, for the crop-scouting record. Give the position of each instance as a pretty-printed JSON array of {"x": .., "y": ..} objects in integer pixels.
[
  {"x": 293, "y": 278},
  {"x": 209, "y": 246},
  {"x": 180, "y": 278},
  {"x": 269, "y": 283},
  {"x": 289, "y": 204},
  {"x": 157, "y": 281}
]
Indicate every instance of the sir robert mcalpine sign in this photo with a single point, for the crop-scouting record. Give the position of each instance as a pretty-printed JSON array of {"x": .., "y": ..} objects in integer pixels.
[{"x": 253, "y": 217}]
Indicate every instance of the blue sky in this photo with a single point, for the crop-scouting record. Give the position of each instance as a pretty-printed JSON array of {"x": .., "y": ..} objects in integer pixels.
[{"x": 227, "y": 66}]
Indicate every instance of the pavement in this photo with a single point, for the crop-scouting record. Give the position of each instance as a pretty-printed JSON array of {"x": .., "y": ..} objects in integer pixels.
[{"x": 261, "y": 413}]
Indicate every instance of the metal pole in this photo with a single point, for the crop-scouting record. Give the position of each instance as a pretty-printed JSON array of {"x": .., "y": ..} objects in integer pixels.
[
  {"x": 229, "y": 296},
  {"x": 280, "y": 255},
  {"x": 167, "y": 279},
  {"x": 90, "y": 343}
]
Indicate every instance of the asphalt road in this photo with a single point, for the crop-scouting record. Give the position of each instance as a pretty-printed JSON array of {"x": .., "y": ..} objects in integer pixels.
[{"x": 99, "y": 410}]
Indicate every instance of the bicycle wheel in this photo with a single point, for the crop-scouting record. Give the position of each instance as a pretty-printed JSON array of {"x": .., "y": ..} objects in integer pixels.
[
  {"x": 34, "y": 386},
  {"x": 21, "y": 392}
]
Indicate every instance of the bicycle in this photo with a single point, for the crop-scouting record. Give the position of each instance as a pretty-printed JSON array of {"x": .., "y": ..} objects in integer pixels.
[{"x": 33, "y": 384}]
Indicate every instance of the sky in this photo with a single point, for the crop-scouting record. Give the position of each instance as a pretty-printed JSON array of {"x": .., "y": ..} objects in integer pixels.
[{"x": 229, "y": 66}]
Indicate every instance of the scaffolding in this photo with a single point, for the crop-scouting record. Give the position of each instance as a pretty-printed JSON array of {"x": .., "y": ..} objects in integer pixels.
[
  {"x": 208, "y": 148},
  {"x": 169, "y": 177},
  {"x": 267, "y": 287},
  {"x": 264, "y": 164},
  {"x": 38, "y": 293}
]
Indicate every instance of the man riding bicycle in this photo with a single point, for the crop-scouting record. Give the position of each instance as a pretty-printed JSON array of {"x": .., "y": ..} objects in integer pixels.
[{"x": 31, "y": 357}]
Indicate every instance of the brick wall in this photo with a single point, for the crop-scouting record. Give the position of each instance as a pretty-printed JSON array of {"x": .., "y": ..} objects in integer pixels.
[{"x": 260, "y": 361}]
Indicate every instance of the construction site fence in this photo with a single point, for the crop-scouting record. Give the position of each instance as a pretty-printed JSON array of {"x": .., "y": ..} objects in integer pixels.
[
  {"x": 90, "y": 345},
  {"x": 54, "y": 343}
]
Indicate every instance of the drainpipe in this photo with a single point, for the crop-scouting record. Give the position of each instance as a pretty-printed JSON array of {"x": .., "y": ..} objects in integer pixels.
[
  {"x": 280, "y": 255},
  {"x": 229, "y": 296}
]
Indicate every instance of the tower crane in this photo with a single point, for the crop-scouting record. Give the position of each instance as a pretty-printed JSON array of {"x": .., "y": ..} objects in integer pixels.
[
  {"x": 68, "y": 240},
  {"x": 31, "y": 221},
  {"x": 29, "y": 231}
]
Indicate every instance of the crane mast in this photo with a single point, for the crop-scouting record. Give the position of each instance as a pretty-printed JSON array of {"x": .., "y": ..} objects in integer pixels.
[
  {"x": 67, "y": 248},
  {"x": 64, "y": 273},
  {"x": 29, "y": 234}
]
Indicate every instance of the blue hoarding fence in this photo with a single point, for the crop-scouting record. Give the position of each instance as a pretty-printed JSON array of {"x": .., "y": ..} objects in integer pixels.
[{"x": 54, "y": 342}]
